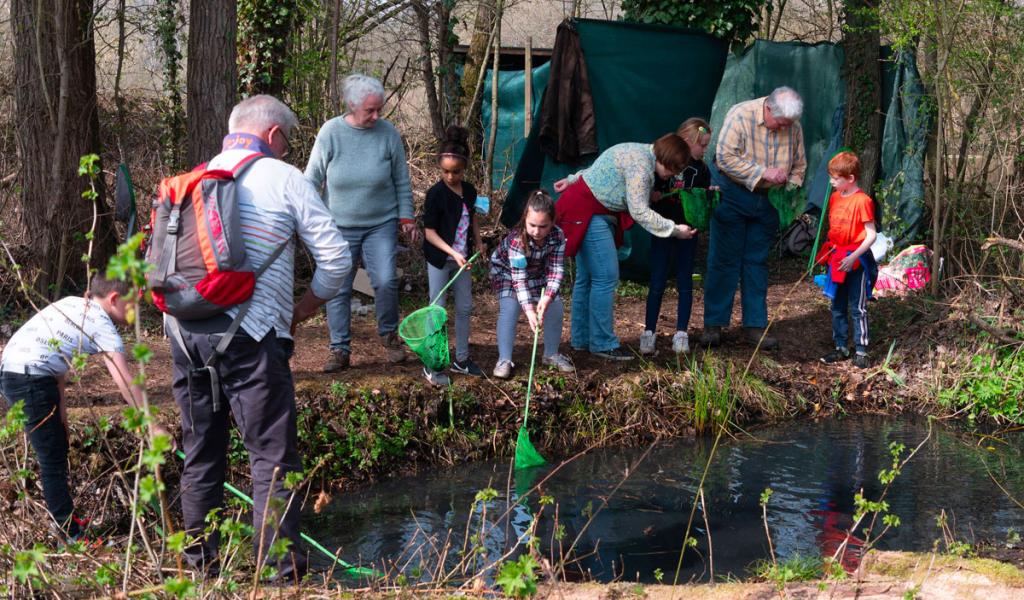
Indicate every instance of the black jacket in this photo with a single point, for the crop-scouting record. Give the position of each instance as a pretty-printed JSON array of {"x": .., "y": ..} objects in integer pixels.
[
  {"x": 441, "y": 212},
  {"x": 694, "y": 175}
]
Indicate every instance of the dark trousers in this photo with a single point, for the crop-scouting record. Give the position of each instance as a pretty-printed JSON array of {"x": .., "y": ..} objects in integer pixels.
[
  {"x": 48, "y": 437},
  {"x": 852, "y": 293},
  {"x": 743, "y": 227},
  {"x": 256, "y": 383},
  {"x": 662, "y": 251}
]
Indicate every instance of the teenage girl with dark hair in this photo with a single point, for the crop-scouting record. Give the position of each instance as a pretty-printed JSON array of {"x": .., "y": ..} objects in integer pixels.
[
  {"x": 452, "y": 236},
  {"x": 526, "y": 273}
]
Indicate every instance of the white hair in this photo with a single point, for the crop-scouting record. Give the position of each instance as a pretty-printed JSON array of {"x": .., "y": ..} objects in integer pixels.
[
  {"x": 785, "y": 103},
  {"x": 356, "y": 88},
  {"x": 261, "y": 112}
]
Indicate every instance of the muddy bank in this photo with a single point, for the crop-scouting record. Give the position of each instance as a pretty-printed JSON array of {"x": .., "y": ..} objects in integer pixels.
[{"x": 883, "y": 575}]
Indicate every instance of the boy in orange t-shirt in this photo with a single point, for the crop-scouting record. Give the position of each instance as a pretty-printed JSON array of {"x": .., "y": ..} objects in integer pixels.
[{"x": 852, "y": 269}]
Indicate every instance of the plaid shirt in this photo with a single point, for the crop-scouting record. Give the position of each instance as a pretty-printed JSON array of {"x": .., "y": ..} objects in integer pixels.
[
  {"x": 530, "y": 273},
  {"x": 746, "y": 148}
]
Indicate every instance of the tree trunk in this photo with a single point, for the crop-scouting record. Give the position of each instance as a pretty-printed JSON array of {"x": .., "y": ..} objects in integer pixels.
[
  {"x": 212, "y": 76},
  {"x": 476, "y": 59},
  {"x": 57, "y": 123},
  {"x": 426, "y": 56},
  {"x": 862, "y": 70}
]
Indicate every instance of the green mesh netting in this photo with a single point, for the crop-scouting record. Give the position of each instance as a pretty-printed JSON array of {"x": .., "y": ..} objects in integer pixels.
[
  {"x": 788, "y": 202},
  {"x": 526, "y": 455},
  {"x": 426, "y": 333},
  {"x": 697, "y": 206}
]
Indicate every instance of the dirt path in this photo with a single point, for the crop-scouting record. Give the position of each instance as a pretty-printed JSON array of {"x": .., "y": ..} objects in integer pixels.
[
  {"x": 801, "y": 323},
  {"x": 885, "y": 575}
]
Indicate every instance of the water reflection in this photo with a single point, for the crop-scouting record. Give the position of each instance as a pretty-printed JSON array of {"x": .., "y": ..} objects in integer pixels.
[{"x": 415, "y": 525}]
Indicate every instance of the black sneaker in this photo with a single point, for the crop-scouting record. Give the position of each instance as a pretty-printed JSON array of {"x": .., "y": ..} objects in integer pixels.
[
  {"x": 861, "y": 361},
  {"x": 619, "y": 353},
  {"x": 835, "y": 356},
  {"x": 466, "y": 367}
]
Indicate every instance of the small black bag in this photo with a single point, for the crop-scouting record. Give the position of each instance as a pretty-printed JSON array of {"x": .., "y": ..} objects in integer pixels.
[{"x": 798, "y": 238}]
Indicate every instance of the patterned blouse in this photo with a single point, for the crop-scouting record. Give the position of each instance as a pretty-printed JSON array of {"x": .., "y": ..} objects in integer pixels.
[
  {"x": 528, "y": 273},
  {"x": 621, "y": 179}
]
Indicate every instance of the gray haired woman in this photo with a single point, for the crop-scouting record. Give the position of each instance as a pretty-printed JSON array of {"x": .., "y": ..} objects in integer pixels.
[{"x": 358, "y": 163}]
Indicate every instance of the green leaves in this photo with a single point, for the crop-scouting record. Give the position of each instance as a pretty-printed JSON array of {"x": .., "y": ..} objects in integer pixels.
[
  {"x": 519, "y": 579},
  {"x": 28, "y": 564},
  {"x": 735, "y": 21}
]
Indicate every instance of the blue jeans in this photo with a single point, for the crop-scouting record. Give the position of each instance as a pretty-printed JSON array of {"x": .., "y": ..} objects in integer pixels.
[
  {"x": 48, "y": 437},
  {"x": 508, "y": 318},
  {"x": 742, "y": 230},
  {"x": 662, "y": 249},
  {"x": 377, "y": 246},
  {"x": 593, "y": 295},
  {"x": 853, "y": 293},
  {"x": 463, "y": 290}
]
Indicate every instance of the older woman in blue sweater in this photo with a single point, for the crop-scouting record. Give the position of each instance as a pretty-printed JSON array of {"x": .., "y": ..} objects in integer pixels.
[{"x": 358, "y": 163}]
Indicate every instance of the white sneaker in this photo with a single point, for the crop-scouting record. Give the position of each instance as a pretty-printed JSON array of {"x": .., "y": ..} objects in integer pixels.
[
  {"x": 436, "y": 377},
  {"x": 647, "y": 342},
  {"x": 560, "y": 362},
  {"x": 503, "y": 370},
  {"x": 681, "y": 343}
]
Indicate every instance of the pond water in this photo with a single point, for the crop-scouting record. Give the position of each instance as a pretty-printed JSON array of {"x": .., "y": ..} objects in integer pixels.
[{"x": 815, "y": 468}]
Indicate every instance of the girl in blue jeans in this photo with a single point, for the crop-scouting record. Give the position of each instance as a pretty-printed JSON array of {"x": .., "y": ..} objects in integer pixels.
[
  {"x": 697, "y": 135},
  {"x": 526, "y": 273},
  {"x": 451, "y": 237}
]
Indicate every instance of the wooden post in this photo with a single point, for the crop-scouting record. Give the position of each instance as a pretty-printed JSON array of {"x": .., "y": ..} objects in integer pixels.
[
  {"x": 528, "y": 91},
  {"x": 494, "y": 100}
]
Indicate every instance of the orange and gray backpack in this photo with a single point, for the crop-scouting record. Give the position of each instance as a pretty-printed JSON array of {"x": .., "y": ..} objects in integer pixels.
[
  {"x": 199, "y": 258},
  {"x": 198, "y": 253}
]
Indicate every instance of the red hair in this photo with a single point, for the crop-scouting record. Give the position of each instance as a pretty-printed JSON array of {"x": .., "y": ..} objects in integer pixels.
[{"x": 844, "y": 164}]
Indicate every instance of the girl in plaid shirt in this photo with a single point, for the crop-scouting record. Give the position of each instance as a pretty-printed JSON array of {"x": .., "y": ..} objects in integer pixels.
[{"x": 526, "y": 273}]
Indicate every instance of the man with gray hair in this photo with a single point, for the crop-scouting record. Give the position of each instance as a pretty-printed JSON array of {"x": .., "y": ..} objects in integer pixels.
[
  {"x": 276, "y": 205},
  {"x": 761, "y": 146}
]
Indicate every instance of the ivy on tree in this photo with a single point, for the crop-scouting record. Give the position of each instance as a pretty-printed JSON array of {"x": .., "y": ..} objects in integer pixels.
[{"x": 731, "y": 20}]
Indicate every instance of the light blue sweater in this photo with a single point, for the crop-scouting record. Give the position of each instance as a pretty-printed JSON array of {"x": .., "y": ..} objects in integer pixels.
[{"x": 364, "y": 173}]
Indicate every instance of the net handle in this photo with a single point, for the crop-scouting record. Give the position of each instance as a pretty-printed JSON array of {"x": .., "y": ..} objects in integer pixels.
[
  {"x": 529, "y": 381},
  {"x": 824, "y": 215},
  {"x": 452, "y": 280}
]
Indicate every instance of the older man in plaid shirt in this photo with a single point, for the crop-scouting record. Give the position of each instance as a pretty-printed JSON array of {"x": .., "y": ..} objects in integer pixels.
[{"x": 761, "y": 146}]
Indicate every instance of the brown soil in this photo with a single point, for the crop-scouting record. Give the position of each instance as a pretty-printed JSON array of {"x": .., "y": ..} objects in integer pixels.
[
  {"x": 885, "y": 575},
  {"x": 801, "y": 323}
]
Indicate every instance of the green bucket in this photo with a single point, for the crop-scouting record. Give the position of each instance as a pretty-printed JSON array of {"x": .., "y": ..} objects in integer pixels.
[
  {"x": 698, "y": 205},
  {"x": 425, "y": 331},
  {"x": 787, "y": 203}
]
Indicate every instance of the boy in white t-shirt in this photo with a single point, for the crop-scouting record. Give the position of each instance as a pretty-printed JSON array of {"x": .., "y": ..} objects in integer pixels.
[{"x": 34, "y": 367}]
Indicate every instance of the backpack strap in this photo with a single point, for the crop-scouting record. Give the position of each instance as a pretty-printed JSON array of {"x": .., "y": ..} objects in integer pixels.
[{"x": 225, "y": 340}]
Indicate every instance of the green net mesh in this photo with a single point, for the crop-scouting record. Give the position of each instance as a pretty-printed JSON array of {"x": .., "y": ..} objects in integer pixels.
[
  {"x": 698, "y": 204},
  {"x": 787, "y": 202},
  {"x": 526, "y": 455},
  {"x": 426, "y": 333}
]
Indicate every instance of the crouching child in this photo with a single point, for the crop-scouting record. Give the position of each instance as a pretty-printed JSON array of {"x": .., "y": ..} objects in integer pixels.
[{"x": 34, "y": 368}]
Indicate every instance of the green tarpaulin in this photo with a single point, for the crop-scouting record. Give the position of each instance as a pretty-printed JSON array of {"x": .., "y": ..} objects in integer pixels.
[
  {"x": 648, "y": 79},
  {"x": 511, "y": 137},
  {"x": 645, "y": 81}
]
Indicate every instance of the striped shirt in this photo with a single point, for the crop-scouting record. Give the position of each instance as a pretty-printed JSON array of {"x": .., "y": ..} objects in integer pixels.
[
  {"x": 746, "y": 148},
  {"x": 527, "y": 273},
  {"x": 621, "y": 179},
  {"x": 277, "y": 203}
]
